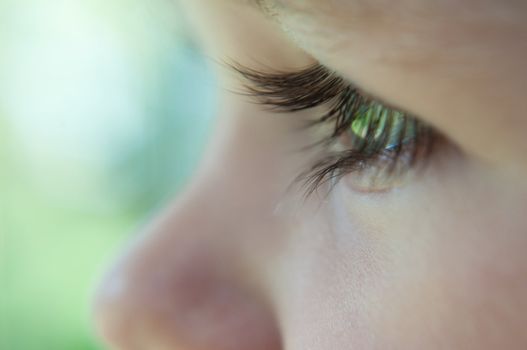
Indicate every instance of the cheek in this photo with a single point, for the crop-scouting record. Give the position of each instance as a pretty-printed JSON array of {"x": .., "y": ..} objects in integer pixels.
[
  {"x": 443, "y": 277},
  {"x": 329, "y": 280}
]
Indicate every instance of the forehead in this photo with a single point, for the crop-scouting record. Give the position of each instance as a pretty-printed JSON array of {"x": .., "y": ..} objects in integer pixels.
[
  {"x": 397, "y": 23},
  {"x": 389, "y": 4},
  {"x": 344, "y": 12}
]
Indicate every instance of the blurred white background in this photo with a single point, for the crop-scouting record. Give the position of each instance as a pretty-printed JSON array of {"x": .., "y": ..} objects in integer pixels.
[{"x": 105, "y": 107}]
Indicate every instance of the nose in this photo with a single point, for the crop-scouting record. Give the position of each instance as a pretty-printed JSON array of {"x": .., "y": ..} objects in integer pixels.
[
  {"x": 181, "y": 285},
  {"x": 194, "y": 279}
]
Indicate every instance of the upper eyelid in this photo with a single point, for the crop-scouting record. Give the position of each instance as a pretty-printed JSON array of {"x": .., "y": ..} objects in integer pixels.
[
  {"x": 273, "y": 87},
  {"x": 308, "y": 88}
]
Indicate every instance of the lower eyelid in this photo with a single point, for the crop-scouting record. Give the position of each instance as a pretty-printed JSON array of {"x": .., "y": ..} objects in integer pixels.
[{"x": 395, "y": 166}]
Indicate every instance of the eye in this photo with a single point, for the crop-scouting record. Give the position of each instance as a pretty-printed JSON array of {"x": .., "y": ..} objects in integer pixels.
[{"x": 379, "y": 147}]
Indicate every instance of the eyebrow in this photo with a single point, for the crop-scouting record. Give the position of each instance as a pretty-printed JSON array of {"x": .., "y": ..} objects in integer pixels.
[
  {"x": 257, "y": 3},
  {"x": 277, "y": 8},
  {"x": 268, "y": 8},
  {"x": 251, "y": 3}
]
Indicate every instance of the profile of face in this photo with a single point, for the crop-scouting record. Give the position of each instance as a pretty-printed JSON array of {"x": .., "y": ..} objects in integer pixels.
[{"x": 366, "y": 186}]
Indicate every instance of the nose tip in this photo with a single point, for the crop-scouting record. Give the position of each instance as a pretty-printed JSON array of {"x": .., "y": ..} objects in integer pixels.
[
  {"x": 112, "y": 316},
  {"x": 151, "y": 301},
  {"x": 188, "y": 303}
]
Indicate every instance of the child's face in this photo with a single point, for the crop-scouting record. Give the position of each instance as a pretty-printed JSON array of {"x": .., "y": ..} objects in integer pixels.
[{"x": 435, "y": 259}]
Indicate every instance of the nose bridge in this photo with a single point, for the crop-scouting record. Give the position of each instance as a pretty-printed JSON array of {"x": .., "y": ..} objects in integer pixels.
[{"x": 186, "y": 281}]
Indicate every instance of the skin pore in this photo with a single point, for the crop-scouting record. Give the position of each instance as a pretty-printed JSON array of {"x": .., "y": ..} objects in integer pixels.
[{"x": 243, "y": 261}]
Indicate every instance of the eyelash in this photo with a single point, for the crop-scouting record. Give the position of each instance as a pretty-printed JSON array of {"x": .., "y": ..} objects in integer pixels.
[{"x": 381, "y": 145}]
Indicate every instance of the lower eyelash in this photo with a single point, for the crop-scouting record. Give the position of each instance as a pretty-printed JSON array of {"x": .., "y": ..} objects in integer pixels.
[
  {"x": 389, "y": 164},
  {"x": 316, "y": 86}
]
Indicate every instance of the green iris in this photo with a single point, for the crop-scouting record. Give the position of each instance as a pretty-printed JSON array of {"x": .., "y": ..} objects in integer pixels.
[{"x": 376, "y": 127}]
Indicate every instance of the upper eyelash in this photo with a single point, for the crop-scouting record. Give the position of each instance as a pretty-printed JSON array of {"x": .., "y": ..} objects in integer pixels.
[
  {"x": 314, "y": 86},
  {"x": 305, "y": 89},
  {"x": 291, "y": 92}
]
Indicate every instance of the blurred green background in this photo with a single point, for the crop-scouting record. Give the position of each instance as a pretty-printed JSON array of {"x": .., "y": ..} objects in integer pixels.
[{"x": 104, "y": 110}]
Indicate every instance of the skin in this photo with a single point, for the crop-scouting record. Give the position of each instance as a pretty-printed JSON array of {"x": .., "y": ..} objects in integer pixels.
[{"x": 242, "y": 261}]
